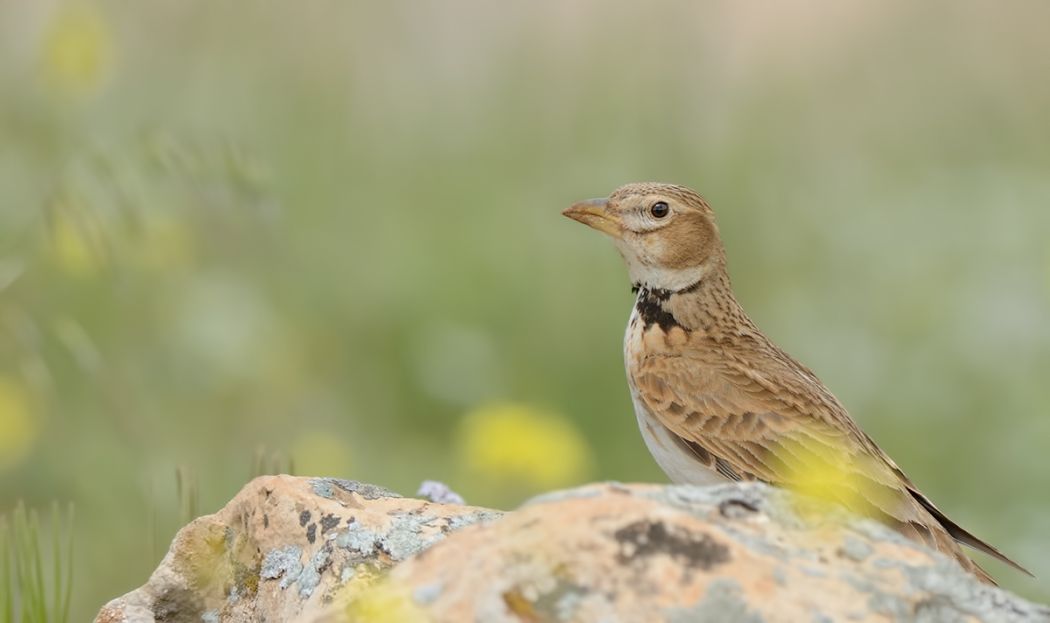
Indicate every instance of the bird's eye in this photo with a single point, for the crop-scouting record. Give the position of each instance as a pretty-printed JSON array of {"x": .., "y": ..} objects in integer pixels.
[{"x": 659, "y": 209}]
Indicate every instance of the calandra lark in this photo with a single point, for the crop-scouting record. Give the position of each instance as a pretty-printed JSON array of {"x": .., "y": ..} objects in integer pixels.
[{"x": 716, "y": 400}]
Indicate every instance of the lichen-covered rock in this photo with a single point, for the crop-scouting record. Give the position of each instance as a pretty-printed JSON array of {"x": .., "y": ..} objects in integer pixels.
[
  {"x": 323, "y": 550},
  {"x": 283, "y": 548}
]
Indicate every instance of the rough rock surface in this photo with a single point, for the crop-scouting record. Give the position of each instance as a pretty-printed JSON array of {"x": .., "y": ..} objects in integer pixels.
[{"x": 320, "y": 549}]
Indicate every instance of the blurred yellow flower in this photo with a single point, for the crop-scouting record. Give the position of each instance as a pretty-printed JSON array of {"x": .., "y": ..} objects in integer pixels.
[
  {"x": 77, "y": 49},
  {"x": 320, "y": 454},
  {"x": 372, "y": 598},
  {"x": 18, "y": 430},
  {"x": 519, "y": 443},
  {"x": 825, "y": 472},
  {"x": 72, "y": 247}
]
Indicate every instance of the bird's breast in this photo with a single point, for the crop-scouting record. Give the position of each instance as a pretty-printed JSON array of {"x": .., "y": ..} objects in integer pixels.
[
  {"x": 645, "y": 339},
  {"x": 669, "y": 453}
]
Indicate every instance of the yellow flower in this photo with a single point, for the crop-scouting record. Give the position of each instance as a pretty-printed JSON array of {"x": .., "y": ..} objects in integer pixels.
[
  {"x": 823, "y": 471},
  {"x": 372, "y": 598},
  {"x": 18, "y": 430},
  {"x": 77, "y": 50},
  {"x": 518, "y": 443}
]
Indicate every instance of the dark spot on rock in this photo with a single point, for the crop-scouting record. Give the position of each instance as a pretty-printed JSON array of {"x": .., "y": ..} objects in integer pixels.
[
  {"x": 304, "y": 518},
  {"x": 311, "y": 533},
  {"x": 351, "y": 520},
  {"x": 266, "y": 520},
  {"x": 328, "y": 522},
  {"x": 560, "y": 602},
  {"x": 642, "y": 539},
  {"x": 246, "y": 576},
  {"x": 177, "y": 605},
  {"x": 736, "y": 508}
]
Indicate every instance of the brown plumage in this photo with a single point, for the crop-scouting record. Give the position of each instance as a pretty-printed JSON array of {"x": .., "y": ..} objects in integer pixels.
[{"x": 715, "y": 399}]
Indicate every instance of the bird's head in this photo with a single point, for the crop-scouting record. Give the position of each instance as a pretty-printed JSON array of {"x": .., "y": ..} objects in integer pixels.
[{"x": 665, "y": 233}]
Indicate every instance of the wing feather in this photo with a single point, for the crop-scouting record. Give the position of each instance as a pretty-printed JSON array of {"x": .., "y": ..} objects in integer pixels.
[{"x": 779, "y": 424}]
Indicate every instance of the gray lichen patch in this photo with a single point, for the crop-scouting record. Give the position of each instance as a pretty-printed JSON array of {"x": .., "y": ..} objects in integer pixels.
[
  {"x": 752, "y": 496},
  {"x": 428, "y": 593},
  {"x": 311, "y": 574},
  {"x": 469, "y": 519},
  {"x": 723, "y": 603},
  {"x": 949, "y": 588},
  {"x": 358, "y": 539},
  {"x": 325, "y": 487},
  {"x": 855, "y": 549},
  {"x": 405, "y": 536},
  {"x": 891, "y": 606},
  {"x": 285, "y": 562}
]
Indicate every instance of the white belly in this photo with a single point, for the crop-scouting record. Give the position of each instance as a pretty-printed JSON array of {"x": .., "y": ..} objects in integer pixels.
[
  {"x": 677, "y": 462},
  {"x": 680, "y": 465}
]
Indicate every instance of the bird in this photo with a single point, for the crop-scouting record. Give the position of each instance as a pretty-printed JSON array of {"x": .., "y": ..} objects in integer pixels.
[{"x": 717, "y": 401}]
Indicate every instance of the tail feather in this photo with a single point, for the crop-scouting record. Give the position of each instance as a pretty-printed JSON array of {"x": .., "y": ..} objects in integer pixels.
[
  {"x": 966, "y": 538},
  {"x": 976, "y": 569}
]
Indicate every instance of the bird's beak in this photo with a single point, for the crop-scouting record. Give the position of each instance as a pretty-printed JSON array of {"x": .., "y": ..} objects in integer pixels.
[{"x": 595, "y": 213}]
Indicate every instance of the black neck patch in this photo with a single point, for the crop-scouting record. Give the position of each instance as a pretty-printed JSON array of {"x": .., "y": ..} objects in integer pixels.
[
  {"x": 651, "y": 309},
  {"x": 663, "y": 294}
]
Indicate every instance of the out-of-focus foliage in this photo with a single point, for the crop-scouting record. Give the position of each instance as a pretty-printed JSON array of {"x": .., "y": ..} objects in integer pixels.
[
  {"x": 332, "y": 229},
  {"x": 17, "y": 425}
]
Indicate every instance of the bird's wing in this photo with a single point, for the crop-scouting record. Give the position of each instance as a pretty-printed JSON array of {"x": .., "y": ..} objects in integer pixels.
[
  {"x": 779, "y": 424},
  {"x": 772, "y": 425}
]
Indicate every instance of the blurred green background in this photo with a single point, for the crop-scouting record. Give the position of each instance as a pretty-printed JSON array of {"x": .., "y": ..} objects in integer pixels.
[{"x": 332, "y": 230}]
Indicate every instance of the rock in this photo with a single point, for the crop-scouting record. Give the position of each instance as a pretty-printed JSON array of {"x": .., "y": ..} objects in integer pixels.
[
  {"x": 282, "y": 548},
  {"x": 326, "y": 550}
]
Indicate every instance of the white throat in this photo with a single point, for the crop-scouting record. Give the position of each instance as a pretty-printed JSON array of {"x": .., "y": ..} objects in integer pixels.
[{"x": 660, "y": 278}]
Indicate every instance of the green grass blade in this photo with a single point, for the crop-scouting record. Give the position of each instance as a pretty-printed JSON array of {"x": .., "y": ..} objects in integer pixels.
[
  {"x": 37, "y": 568},
  {"x": 7, "y": 595},
  {"x": 19, "y": 547},
  {"x": 67, "y": 592},
  {"x": 56, "y": 562}
]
